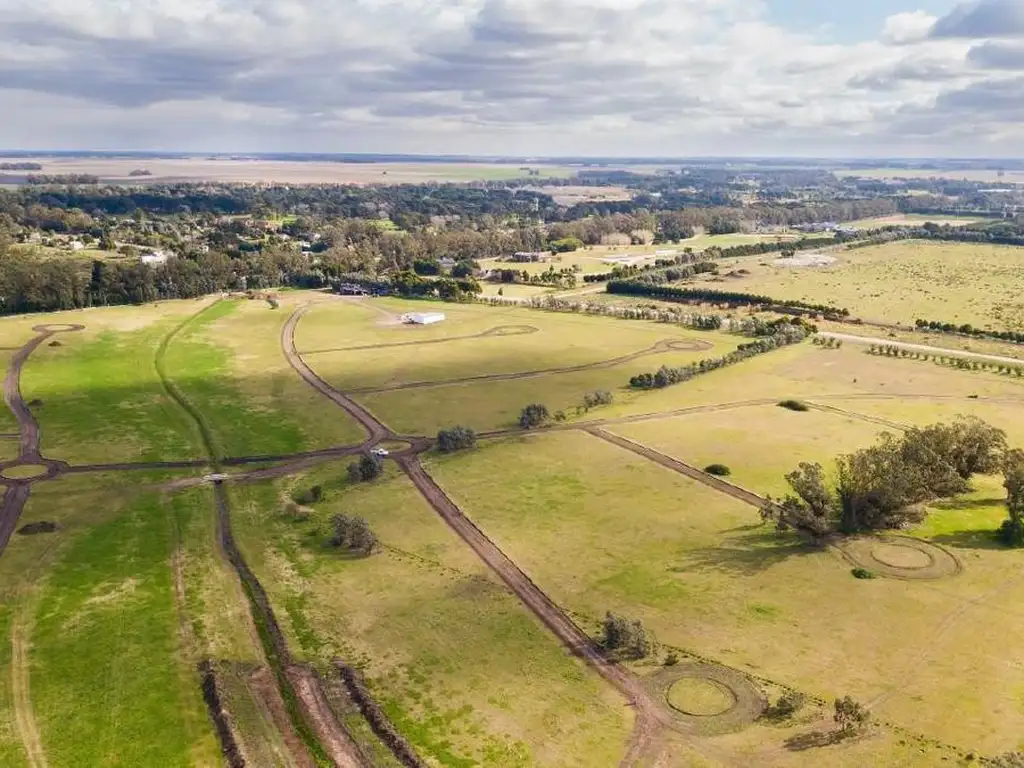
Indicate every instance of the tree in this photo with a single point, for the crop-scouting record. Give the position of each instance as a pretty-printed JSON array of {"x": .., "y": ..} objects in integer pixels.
[
  {"x": 368, "y": 467},
  {"x": 566, "y": 244},
  {"x": 596, "y": 398},
  {"x": 625, "y": 636},
  {"x": 354, "y": 534},
  {"x": 534, "y": 415},
  {"x": 850, "y": 716},
  {"x": 1012, "y": 530},
  {"x": 456, "y": 439}
]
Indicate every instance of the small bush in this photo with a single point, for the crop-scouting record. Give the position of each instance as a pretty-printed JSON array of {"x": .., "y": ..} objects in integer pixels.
[
  {"x": 457, "y": 438},
  {"x": 794, "y": 405},
  {"x": 788, "y": 705},
  {"x": 719, "y": 470},
  {"x": 672, "y": 659},
  {"x": 534, "y": 415},
  {"x": 368, "y": 467},
  {"x": 862, "y": 573}
]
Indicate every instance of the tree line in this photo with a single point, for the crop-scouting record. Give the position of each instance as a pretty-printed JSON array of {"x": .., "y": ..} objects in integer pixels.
[
  {"x": 730, "y": 298},
  {"x": 666, "y": 376},
  {"x": 966, "y": 329}
]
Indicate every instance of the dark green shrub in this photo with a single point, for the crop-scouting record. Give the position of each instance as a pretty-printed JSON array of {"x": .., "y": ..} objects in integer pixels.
[
  {"x": 794, "y": 405},
  {"x": 862, "y": 573},
  {"x": 719, "y": 470}
]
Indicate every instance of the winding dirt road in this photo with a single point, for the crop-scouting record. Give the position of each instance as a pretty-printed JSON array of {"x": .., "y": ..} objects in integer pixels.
[
  {"x": 297, "y": 680},
  {"x": 652, "y": 716}
]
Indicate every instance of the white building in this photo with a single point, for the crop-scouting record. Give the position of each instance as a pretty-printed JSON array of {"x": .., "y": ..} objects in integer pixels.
[
  {"x": 154, "y": 258},
  {"x": 424, "y": 318}
]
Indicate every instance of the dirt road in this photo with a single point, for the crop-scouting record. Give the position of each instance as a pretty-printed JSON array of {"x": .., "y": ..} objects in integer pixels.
[
  {"x": 376, "y": 430},
  {"x": 868, "y": 340},
  {"x": 717, "y": 483}
]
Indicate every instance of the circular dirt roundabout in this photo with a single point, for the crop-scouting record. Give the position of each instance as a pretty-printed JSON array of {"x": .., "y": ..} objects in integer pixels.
[
  {"x": 900, "y": 557},
  {"x": 687, "y": 345},
  {"x": 30, "y": 470},
  {"x": 700, "y": 697},
  {"x": 708, "y": 697},
  {"x": 58, "y": 328},
  {"x": 24, "y": 472},
  {"x": 509, "y": 330}
]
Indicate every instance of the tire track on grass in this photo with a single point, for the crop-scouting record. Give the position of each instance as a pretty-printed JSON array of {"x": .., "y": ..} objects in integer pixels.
[
  {"x": 663, "y": 346},
  {"x": 24, "y": 716},
  {"x": 299, "y": 686}
]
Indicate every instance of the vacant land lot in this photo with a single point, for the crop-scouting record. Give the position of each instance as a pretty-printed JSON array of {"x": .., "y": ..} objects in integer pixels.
[
  {"x": 901, "y": 282},
  {"x": 460, "y": 666},
  {"x": 700, "y": 569},
  {"x": 134, "y": 581},
  {"x": 483, "y": 364}
]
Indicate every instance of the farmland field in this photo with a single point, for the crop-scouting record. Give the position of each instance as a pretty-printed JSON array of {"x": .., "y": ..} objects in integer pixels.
[
  {"x": 200, "y": 169},
  {"x": 901, "y": 282},
  {"x": 175, "y": 536}
]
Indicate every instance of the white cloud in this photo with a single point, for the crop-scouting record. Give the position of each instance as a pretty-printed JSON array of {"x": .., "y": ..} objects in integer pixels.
[
  {"x": 910, "y": 27},
  {"x": 482, "y": 76}
]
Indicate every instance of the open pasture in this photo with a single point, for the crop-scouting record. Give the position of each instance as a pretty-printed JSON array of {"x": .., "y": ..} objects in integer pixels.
[
  {"x": 911, "y": 219},
  {"x": 456, "y": 661},
  {"x": 901, "y": 282},
  {"x": 483, "y": 364},
  {"x": 448, "y": 642},
  {"x": 701, "y": 570}
]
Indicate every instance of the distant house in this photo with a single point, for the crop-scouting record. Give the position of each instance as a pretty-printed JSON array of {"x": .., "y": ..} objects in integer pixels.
[
  {"x": 446, "y": 262},
  {"x": 351, "y": 289},
  {"x": 423, "y": 318},
  {"x": 154, "y": 258}
]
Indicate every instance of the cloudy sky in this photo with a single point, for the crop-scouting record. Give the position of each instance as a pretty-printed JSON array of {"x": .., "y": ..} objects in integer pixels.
[{"x": 541, "y": 77}]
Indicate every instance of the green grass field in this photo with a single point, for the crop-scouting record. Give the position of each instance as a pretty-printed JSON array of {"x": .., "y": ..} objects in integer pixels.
[
  {"x": 459, "y": 665},
  {"x": 104, "y": 621}
]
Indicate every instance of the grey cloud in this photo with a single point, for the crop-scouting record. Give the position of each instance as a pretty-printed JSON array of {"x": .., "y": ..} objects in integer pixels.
[
  {"x": 985, "y": 18},
  {"x": 987, "y": 98},
  {"x": 895, "y": 77},
  {"x": 997, "y": 56}
]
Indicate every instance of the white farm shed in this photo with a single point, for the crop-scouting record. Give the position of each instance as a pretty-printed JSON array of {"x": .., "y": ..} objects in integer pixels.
[{"x": 424, "y": 318}]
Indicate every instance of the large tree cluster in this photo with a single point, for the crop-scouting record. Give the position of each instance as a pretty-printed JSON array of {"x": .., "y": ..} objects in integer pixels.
[{"x": 882, "y": 486}]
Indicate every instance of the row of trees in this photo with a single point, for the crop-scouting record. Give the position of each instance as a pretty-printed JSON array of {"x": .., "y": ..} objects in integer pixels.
[
  {"x": 956, "y": 361},
  {"x": 662, "y": 270},
  {"x": 880, "y": 487},
  {"x": 667, "y": 376},
  {"x": 730, "y": 298},
  {"x": 966, "y": 329}
]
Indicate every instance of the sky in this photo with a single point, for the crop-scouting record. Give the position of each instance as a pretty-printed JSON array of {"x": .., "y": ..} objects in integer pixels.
[{"x": 816, "y": 78}]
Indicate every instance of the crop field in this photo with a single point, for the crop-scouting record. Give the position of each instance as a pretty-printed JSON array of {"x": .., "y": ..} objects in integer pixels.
[
  {"x": 911, "y": 219},
  {"x": 178, "y": 482},
  {"x": 1002, "y": 177},
  {"x": 200, "y": 169},
  {"x": 901, "y": 282}
]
